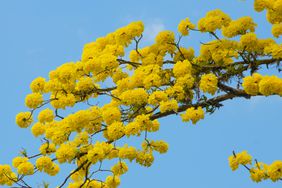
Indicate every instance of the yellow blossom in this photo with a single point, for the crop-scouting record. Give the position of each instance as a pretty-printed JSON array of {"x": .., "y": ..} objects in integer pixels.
[
  {"x": 208, "y": 83},
  {"x": 33, "y": 100},
  {"x": 193, "y": 114},
  {"x": 119, "y": 168},
  {"x": 46, "y": 115},
  {"x": 26, "y": 168},
  {"x": 277, "y": 30},
  {"x": 184, "y": 26},
  {"x": 24, "y": 119},
  {"x": 37, "y": 85},
  {"x": 242, "y": 158},
  {"x": 38, "y": 129}
]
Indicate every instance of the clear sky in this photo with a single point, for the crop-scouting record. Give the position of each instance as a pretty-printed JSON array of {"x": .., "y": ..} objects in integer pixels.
[{"x": 38, "y": 36}]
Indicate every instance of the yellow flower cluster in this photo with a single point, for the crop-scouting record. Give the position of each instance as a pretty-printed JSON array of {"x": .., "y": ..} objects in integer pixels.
[
  {"x": 46, "y": 116},
  {"x": 134, "y": 97},
  {"x": 193, "y": 114},
  {"x": 167, "y": 40},
  {"x": 213, "y": 20},
  {"x": 239, "y": 27},
  {"x": 159, "y": 146},
  {"x": 47, "y": 148},
  {"x": 184, "y": 26},
  {"x": 218, "y": 52},
  {"x": 277, "y": 30},
  {"x": 111, "y": 114},
  {"x": 181, "y": 68},
  {"x": 274, "y": 171},
  {"x": 158, "y": 80},
  {"x": 99, "y": 151},
  {"x": 81, "y": 138},
  {"x": 208, "y": 83},
  {"x": 37, "y": 85},
  {"x": 38, "y": 129},
  {"x": 85, "y": 85},
  {"x": 6, "y": 175},
  {"x": 273, "y": 14},
  {"x": 112, "y": 181},
  {"x": 274, "y": 50},
  {"x": 87, "y": 183},
  {"x": 157, "y": 97},
  {"x": 82, "y": 119},
  {"x": 126, "y": 152},
  {"x": 24, "y": 119},
  {"x": 66, "y": 152},
  {"x": 165, "y": 37},
  {"x": 132, "y": 128},
  {"x": 115, "y": 130},
  {"x": 25, "y": 168},
  {"x": 184, "y": 53},
  {"x": 242, "y": 158},
  {"x": 33, "y": 100},
  {"x": 47, "y": 165},
  {"x": 145, "y": 159},
  {"x": 146, "y": 123},
  {"x": 260, "y": 171},
  {"x": 63, "y": 100},
  {"x": 265, "y": 85},
  {"x": 249, "y": 41},
  {"x": 177, "y": 91},
  {"x": 170, "y": 105},
  {"x": 119, "y": 168}
]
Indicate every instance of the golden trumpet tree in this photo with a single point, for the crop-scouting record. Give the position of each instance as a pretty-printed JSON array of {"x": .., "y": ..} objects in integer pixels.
[{"x": 146, "y": 84}]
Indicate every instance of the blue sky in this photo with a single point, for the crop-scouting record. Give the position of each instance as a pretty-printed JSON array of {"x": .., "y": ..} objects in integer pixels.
[{"x": 38, "y": 36}]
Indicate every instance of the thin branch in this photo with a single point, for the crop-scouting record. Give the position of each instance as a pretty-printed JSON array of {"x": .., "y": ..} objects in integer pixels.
[{"x": 76, "y": 170}]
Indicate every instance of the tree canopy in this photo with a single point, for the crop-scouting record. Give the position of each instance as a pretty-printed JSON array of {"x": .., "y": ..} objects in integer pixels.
[{"x": 119, "y": 91}]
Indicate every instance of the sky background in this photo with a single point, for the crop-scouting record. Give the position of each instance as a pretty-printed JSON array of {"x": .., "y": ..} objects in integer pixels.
[{"x": 38, "y": 36}]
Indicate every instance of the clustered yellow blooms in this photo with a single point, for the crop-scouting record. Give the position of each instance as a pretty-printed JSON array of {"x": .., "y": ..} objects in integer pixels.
[
  {"x": 265, "y": 85},
  {"x": 192, "y": 114},
  {"x": 159, "y": 146},
  {"x": 33, "y": 100},
  {"x": 171, "y": 105},
  {"x": 213, "y": 20},
  {"x": 6, "y": 175},
  {"x": 38, "y": 129},
  {"x": 184, "y": 26},
  {"x": 47, "y": 148},
  {"x": 277, "y": 30},
  {"x": 24, "y": 119},
  {"x": 115, "y": 131},
  {"x": 208, "y": 83},
  {"x": 148, "y": 86},
  {"x": 218, "y": 52},
  {"x": 184, "y": 53},
  {"x": 112, "y": 181},
  {"x": 239, "y": 27},
  {"x": 273, "y": 13},
  {"x": 46, "y": 116},
  {"x": 46, "y": 164},
  {"x": 242, "y": 158},
  {"x": 136, "y": 96},
  {"x": 66, "y": 152},
  {"x": 38, "y": 85},
  {"x": 157, "y": 97},
  {"x": 249, "y": 41},
  {"x": 119, "y": 168},
  {"x": 23, "y": 166},
  {"x": 260, "y": 171},
  {"x": 181, "y": 68}
]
